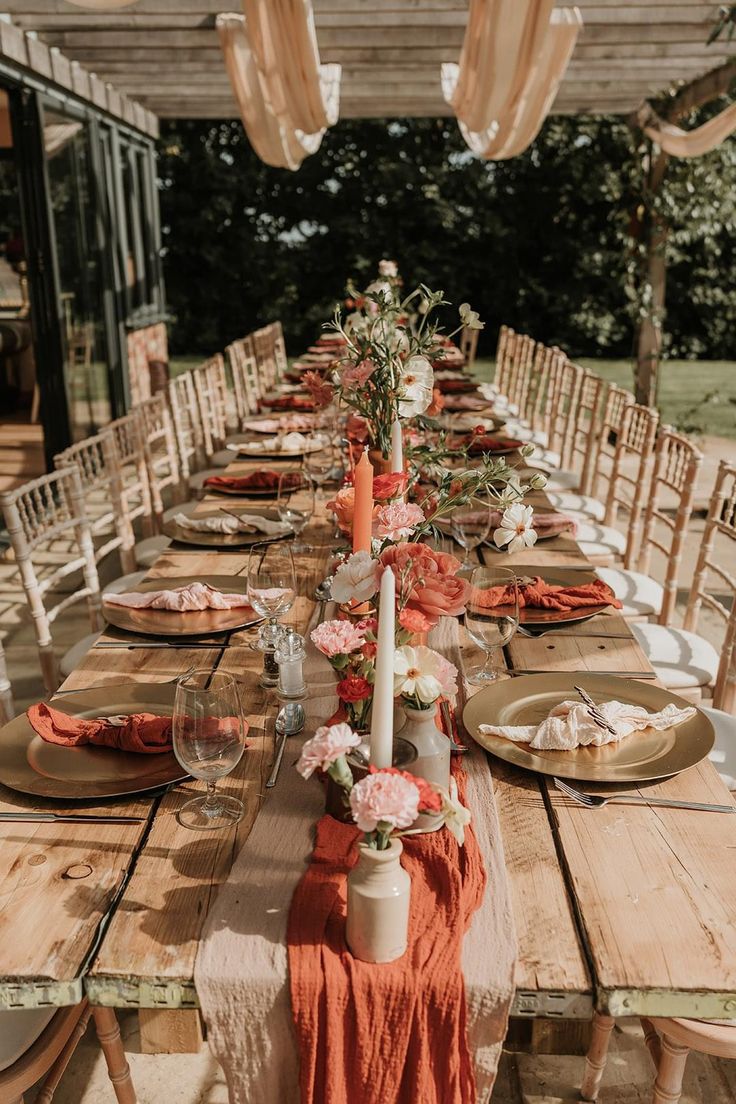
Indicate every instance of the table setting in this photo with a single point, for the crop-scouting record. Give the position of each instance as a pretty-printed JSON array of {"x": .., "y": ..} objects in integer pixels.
[{"x": 408, "y": 637}]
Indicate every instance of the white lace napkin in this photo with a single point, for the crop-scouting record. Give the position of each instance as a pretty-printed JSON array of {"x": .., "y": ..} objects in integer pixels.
[
  {"x": 227, "y": 524},
  {"x": 570, "y": 725}
]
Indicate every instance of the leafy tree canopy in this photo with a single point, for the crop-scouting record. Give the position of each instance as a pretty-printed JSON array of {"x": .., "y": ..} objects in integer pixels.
[{"x": 540, "y": 242}]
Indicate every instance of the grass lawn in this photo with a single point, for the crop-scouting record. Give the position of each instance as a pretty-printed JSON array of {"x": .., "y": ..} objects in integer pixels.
[{"x": 697, "y": 396}]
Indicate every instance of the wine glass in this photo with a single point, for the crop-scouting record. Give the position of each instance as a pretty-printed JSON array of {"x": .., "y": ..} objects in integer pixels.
[
  {"x": 491, "y": 614},
  {"x": 471, "y": 524},
  {"x": 209, "y": 740},
  {"x": 295, "y": 503},
  {"x": 271, "y": 588},
  {"x": 319, "y": 463}
]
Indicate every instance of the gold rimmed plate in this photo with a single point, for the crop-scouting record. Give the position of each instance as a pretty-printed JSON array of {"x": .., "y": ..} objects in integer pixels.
[
  {"x": 33, "y": 766},
  {"x": 170, "y": 623},
  {"x": 254, "y": 453},
  {"x": 641, "y": 757},
  {"x": 247, "y": 492},
  {"x": 224, "y": 540}
]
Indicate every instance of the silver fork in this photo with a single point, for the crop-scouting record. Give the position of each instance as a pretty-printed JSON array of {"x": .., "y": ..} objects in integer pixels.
[{"x": 597, "y": 801}]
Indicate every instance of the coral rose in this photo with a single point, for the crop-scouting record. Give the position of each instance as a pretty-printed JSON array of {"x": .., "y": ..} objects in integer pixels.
[
  {"x": 388, "y": 486},
  {"x": 414, "y": 621},
  {"x": 343, "y": 507},
  {"x": 428, "y": 580},
  {"x": 437, "y": 403}
]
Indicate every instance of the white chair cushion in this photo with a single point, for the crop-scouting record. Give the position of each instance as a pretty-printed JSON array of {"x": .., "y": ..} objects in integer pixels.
[
  {"x": 19, "y": 1030},
  {"x": 599, "y": 540},
  {"x": 545, "y": 458},
  {"x": 524, "y": 433},
  {"x": 71, "y": 659},
  {"x": 723, "y": 755},
  {"x": 148, "y": 551},
  {"x": 569, "y": 503},
  {"x": 563, "y": 480},
  {"x": 682, "y": 660},
  {"x": 639, "y": 593}
]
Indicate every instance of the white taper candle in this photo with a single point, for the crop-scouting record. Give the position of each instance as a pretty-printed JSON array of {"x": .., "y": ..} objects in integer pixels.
[
  {"x": 397, "y": 448},
  {"x": 382, "y": 719}
]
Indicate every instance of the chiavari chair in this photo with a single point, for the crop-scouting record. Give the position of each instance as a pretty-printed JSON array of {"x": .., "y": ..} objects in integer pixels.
[
  {"x": 265, "y": 354},
  {"x": 469, "y": 345},
  {"x": 130, "y": 459},
  {"x": 52, "y": 542},
  {"x": 683, "y": 659},
  {"x": 584, "y": 438},
  {"x": 7, "y": 705},
  {"x": 245, "y": 378},
  {"x": 161, "y": 452},
  {"x": 102, "y": 488},
  {"x": 279, "y": 349},
  {"x": 666, "y": 521},
  {"x": 208, "y": 380},
  {"x": 187, "y": 427}
]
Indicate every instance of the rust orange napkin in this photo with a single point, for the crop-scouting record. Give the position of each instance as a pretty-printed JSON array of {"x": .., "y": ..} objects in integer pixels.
[
  {"x": 393, "y": 1033},
  {"x": 144, "y": 733},
  {"x": 256, "y": 481},
  {"x": 540, "y": 595},
  {"x": 289, "y": 402},
  {"x": 456, "y": 386}
]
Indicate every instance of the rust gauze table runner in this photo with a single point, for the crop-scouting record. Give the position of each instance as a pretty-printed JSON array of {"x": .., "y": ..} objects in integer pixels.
[
  {"x": 242, "y": 969},
  {"x": 392, "y": 1033}
]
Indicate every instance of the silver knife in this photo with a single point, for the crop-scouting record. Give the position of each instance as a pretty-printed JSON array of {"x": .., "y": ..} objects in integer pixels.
[
  {"x": 608, "y": 674},
  {"x": 69, "y": 818},
  {"x": 280, "y": 746}
]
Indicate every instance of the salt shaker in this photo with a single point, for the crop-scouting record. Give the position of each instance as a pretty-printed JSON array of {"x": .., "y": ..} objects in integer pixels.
[{"x": 290, "y": 654}]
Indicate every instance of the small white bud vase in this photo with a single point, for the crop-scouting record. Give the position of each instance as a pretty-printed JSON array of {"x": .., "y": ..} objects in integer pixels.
[
  {"x": 433, "y": 756},
  {"x": 379, "y": 891}
]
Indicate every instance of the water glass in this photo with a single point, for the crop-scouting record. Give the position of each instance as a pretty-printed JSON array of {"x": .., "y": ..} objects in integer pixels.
[
  {"x": 471, "y": 524},
  {"x": 295, "y": 503},
  {"x": 319, "y": 464},
  {"x": 491, "y": 614},
  {"x": 271, "y": 588},
  {"x": 209, "y": 740}
]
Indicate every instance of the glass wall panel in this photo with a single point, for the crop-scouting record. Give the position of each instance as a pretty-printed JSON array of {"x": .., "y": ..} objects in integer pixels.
[{"x": 72, "y": 204}]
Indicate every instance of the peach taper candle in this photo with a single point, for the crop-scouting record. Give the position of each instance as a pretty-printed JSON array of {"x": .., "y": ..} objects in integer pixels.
[{"x": 363, "y": 513}]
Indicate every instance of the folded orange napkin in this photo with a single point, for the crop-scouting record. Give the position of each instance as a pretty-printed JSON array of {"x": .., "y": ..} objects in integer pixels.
[
  {"x": 540, "y": 595},
  {"x": 548, "y": 525},
  {"x": 256, "y": 481},
  {"x": 143, "y": 733},
  {"x": 479, "y": 444},
  {"x": 184, "y": 599},
  {"x": 456, "y": 386},
  {"x": 395, "y": 1032},
  {"x": 289, "y": 402}
]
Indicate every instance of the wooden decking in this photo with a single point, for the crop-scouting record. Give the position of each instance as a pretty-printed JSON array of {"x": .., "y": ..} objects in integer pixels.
[{"x": 21, "y": 453}]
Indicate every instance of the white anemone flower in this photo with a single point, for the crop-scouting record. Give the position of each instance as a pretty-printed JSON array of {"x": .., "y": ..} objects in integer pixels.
[
  {"x": 355, "y": 579},
  {"x": 455, "y": 815},
  {"x": 416, "y": 381},
  {"x": 423, "y": 674},
  {"x": 515, "y": 531},
  {"x": 470, "y": 318}
]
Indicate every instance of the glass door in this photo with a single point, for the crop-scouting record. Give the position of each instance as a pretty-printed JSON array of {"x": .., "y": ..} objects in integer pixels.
[{"x": 71, "y": 195}]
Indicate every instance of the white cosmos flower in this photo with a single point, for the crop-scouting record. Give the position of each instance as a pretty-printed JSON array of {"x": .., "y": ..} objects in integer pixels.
[
  {"x": 356, "y": 323},
  {"x": 455, "y": 815},
  {"x": 388, "y": 268},
  {"x": 423, "y": 673},
  {"x": 416, "y": 380},
  {"x": 515, "y": 531},
  {"x": 356, "y": 578},
  {"x": 470, "y": 318}
]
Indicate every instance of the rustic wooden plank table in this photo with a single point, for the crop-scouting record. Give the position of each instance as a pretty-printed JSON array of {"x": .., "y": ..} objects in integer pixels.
[{"x": 625, "y": 909}]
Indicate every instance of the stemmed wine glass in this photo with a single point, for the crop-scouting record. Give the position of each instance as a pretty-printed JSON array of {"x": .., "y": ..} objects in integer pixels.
[
  {"x": 491, "y": 614},
  {"x": 271, "y": 588},
  {"x": 295, "y": 503},
  {"x": 471, "y": 524},
  {"x": 209, "y": 739},
  {"x": 319, "y": 464}
]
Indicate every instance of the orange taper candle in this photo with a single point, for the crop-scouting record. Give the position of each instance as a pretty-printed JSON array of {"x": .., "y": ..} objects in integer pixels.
[{"x": 363, "y": 514}]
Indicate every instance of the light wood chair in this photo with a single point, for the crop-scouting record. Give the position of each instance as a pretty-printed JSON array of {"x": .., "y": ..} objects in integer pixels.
[
  {"x": 101, "y": 484},
  {"x": 279, "y": 349},
  {"x": 265, "y": 354},
  {"x": 667, "y": 517},
  {"x": 52, "y": 541},
  {"x": 7, "y": 705},
  {"x": 683, "y": 659},
  {"x": 584, "y": 436},
  {"x": 244, "y": 373},
  {"x": 162, "y": 460},
  {"x": 210, "y": 387},
  {"x": 469, "y": 345},
  {"x": 130, "y": 458},
  {"x": 50, "y": 1052},
  {"x": 187, "y": 426},
  {"x": 669, "y": 1042}
]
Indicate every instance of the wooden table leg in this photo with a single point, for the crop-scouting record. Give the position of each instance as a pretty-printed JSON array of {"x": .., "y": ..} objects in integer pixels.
[
  {"x": 118, "y": 1070},
  {"x": 595, "y": 1061}
]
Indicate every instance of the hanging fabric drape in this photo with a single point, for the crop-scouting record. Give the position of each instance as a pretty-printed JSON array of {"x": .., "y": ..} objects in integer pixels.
[
  {"x": 513, "y": 59},
  {"x": 270, "y": 80},
  {"x": 690, "y": 143}
]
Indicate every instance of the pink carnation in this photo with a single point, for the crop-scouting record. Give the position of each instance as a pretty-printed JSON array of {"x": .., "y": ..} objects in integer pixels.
[
  {"x": 327, "y": 745},
  {"x": 337, "y": 638},
  {"x": 397, "y": 520},
  {"x": 384, "y": 798}
]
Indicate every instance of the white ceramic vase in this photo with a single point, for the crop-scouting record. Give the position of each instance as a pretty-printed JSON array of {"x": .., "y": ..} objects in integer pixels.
[
  {"x": 433, "y": 756},
  {"x": 379, "y": 891}
]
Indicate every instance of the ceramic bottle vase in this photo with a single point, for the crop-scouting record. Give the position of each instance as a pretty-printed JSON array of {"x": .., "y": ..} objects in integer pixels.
[
  {"x": 433, "y": 755},
  {"x": 379, "y": 891}
]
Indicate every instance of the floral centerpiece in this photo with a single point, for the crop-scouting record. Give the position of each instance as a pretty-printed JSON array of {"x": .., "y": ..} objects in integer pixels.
[
  {"x": 389, "y": 343},
  {"x": 350, "y": 648}
]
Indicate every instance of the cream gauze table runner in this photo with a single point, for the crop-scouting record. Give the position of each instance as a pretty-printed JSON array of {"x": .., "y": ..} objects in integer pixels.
[{"x": 241, "y": 971}]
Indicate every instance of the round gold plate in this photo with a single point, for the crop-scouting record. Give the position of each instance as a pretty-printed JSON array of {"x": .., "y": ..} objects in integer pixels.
[
  {"x": 640, "y": 757},
  {"x": 170, "y": 623},
  {"x": 223, "y": 540},
  {"x": 33, "y": 766},
  {"x": 253, "y": 492},
  {"x": 250, "y": 453}
]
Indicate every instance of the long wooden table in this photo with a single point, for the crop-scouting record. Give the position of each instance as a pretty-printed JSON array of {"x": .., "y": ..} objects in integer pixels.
[{"x": 626, "y": 909}]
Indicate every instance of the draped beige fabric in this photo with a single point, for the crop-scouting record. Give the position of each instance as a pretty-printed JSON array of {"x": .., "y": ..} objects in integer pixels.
[
  {"x": 513, "y": 59},
  {"x": 692, "y": 143},
  {"x": 266, "y": 95}
]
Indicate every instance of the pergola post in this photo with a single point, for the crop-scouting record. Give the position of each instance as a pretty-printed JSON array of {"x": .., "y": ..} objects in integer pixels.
[{"x": 652, "y": 229}]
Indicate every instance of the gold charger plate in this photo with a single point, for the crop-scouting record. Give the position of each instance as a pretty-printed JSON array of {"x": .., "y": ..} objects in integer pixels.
[
  {"x": 258, "y": 454},
  {"x": 641, "y": 757},
  {"x": 223, "y": 540},
  {"x": 557, "y": 576},
  {"x": 154, "y": 622},
  {"x": 253, "y": 492},
  {"x": 32, "y": 766}
]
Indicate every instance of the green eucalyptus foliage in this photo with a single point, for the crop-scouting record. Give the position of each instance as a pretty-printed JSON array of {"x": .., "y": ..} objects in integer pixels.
[{"x": 541, "y": 242}]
